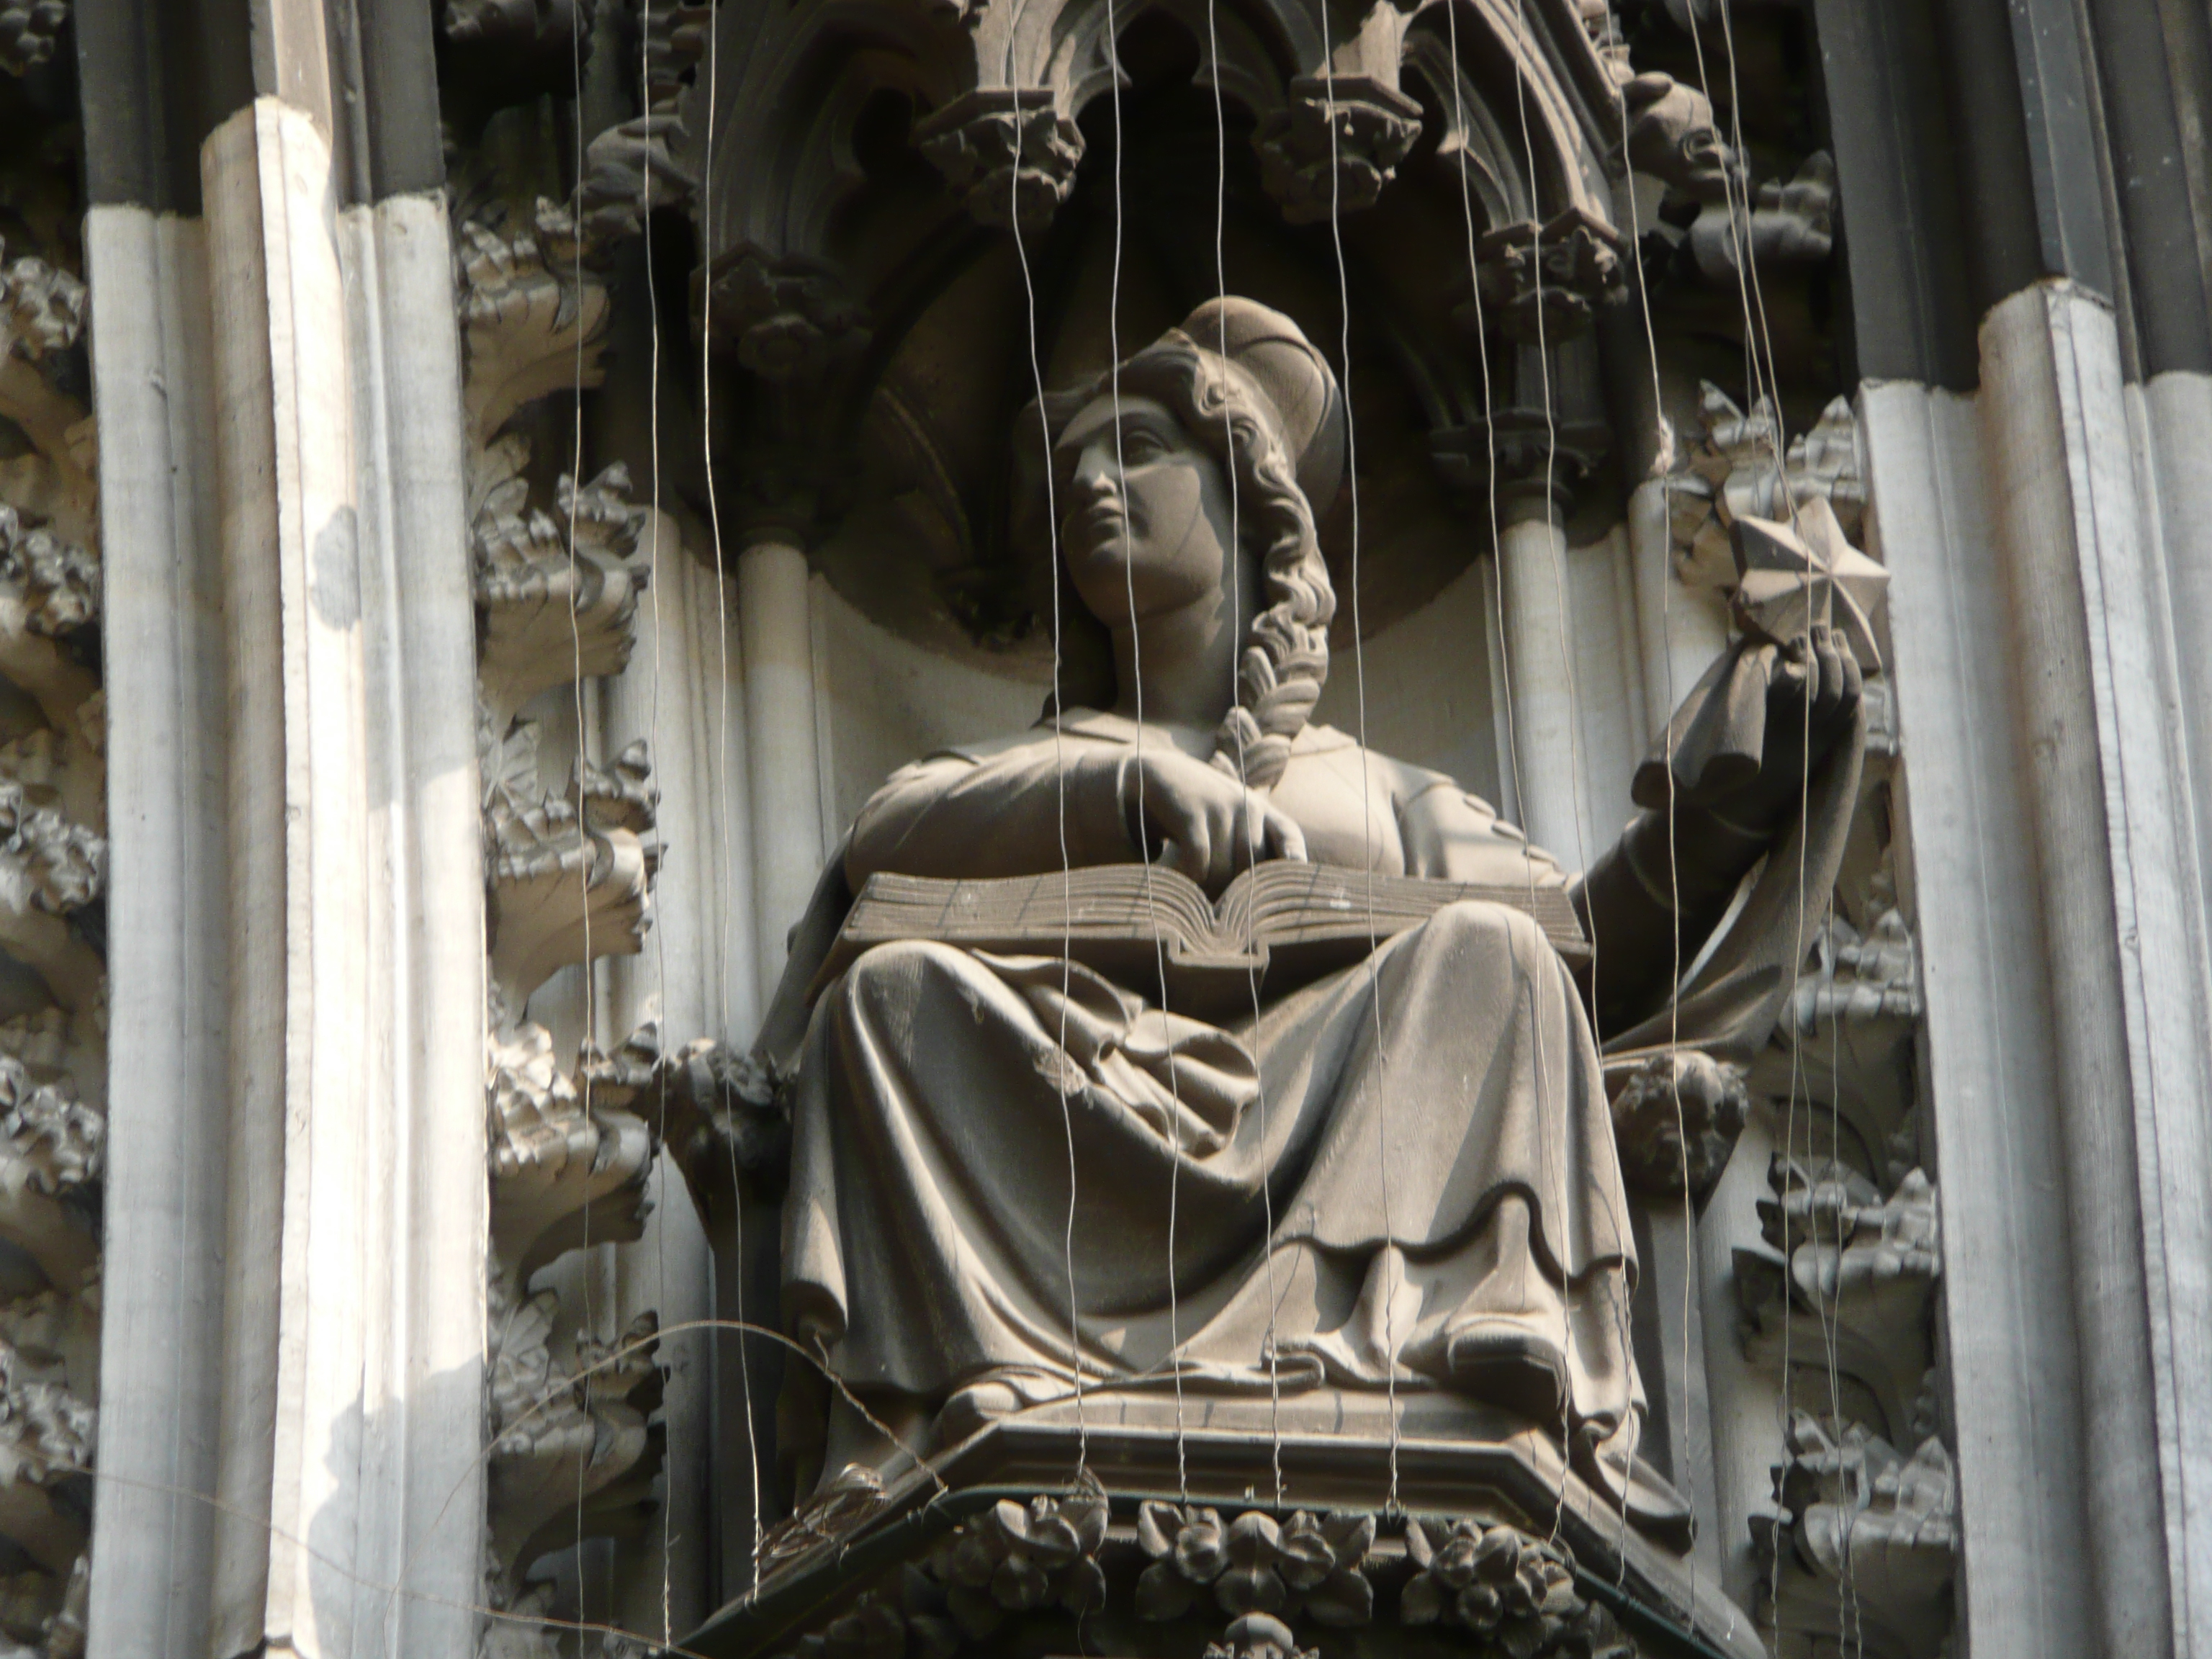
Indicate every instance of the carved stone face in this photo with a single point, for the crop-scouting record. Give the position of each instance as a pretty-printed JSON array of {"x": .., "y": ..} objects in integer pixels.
[{"x": 1146, "y": 524}]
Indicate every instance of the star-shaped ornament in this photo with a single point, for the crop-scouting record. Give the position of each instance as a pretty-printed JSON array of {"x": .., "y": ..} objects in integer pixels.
[{"x": 1793, "y": 575}]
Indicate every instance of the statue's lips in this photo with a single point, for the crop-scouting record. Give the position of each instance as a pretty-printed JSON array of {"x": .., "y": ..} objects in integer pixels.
[{"x": 1097, "y": 527}]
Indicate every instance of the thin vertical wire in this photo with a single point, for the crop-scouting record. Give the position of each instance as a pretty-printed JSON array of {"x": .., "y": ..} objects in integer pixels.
[
  {"x": 719, "y": 738},
  {"x": 1136, "y": 693},
  {"x": 576, "y": 644},
  {"x": 1236, "y": 631},
  {"x": 1498, "y": 559},
  {"x": 1567, "y": 662},
  {"x": 669, "y": 1459},
  {"x": 1746, "y": 285},
  {"x": 1367, "y": 782},
  {"x": 1060, "y": 784},
  {"x": 1673, "y": 882}
]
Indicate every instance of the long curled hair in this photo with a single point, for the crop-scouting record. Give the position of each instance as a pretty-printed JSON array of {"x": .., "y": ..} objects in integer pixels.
[{"x": 1284, "y": 658}]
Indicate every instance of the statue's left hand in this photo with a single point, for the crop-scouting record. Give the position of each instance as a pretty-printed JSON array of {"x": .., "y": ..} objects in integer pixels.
[
  {"x": 1746, "y": 742},
  {"x": 1813, "y": 691}
]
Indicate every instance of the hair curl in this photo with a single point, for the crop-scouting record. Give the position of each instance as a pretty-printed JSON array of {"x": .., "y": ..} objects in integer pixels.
[{"x": 1284, "y": 660}]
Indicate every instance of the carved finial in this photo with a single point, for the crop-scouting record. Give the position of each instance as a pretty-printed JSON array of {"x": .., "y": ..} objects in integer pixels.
[
  {"x": 28, "y": 30},
  {"x": 1334, "y": 144},
  {"x": 1546, "y": 282},
  {"x": 787, "y": 320},
  {"x": 1009, "y": 151}
]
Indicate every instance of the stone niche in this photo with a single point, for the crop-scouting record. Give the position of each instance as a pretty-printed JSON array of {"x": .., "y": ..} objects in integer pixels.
[{"x": 1547, "y": 528}]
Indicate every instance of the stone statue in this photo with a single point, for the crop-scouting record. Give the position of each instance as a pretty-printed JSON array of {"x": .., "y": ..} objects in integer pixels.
[{"x": 1398, "y": 1179}]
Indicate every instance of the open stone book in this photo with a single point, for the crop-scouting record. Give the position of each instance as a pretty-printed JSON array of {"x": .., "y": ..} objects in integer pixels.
[{"x": 1286, "y": 923}]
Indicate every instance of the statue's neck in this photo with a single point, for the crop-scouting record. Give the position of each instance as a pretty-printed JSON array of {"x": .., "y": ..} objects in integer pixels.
[
  {"x": 1177, "y": 670},
  {"x": 1179, "y": 667}
]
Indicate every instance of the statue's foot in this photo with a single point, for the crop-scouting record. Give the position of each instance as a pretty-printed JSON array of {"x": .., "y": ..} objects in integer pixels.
[
  {"x": 1508, "y": 1366},
  {"x": 1645, "y": 1497},
  {"x": 989, "y": 1398}
]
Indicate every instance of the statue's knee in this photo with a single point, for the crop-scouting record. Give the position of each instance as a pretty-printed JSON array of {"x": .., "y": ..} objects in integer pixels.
[
  {"x": 1467, "y": 919},
  {"x": 893, "y": 975}
]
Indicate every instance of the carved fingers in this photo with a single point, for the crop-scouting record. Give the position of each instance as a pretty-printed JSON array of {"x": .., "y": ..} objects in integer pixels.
[
  {"x": 1814, "y": 690},
  {"x": 1200, "y": 822}
]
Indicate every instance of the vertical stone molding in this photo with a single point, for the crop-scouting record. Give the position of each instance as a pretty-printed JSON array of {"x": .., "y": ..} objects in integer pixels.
[
  {"x": 161, "y": 1319},
  {"x": 348, "y": 1478},
  {"x": 2124, "y": 911},
  {"x": 784, "y": 785}
]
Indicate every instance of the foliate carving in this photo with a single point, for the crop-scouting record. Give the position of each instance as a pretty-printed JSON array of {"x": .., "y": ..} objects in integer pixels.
[
  {"x": 571, "y": 1450},
  {"x": 50, "y": 870},
  {"x": 1857, "y": 979},
  {"x": 724, "y": 1111},
  {"x": 532, "y": 323},
  {"x": 564, "y": 1167},
  {"x": 1546, "y": 282},
  {"x": 1016, "y": 1557},
  {"x": 1508, "y": 1587},
  {"x": 570, "y": 872},
  {"x": 1009, "y": 152},
  {"x": 47, "y": 1445},
  {"x": 1256, "y": 1636},
  {"x": 1781, "y": 223},
  {"x": 1849, "y": 1287},
  {"x": 1860, "y": 1526},
  {"x": 558, "y": 590},
  {"x": 42, "y": 312},
  {"x": 28, "y": 30},
  {"x": 1844, "y": 1238},
  {"x": 54, "y": 586},
  {"x": 1671, "y": 136},
  {"x": 52, "y": 880},
  {"x": 787, "y": 320},
  {"x": 1730, "y": 472},
  {"x": 1676, "y": 1117},
  {"x": 1531, "y": 456},
  {"x": 629, "y": 169},
  {"x": 675, "y": 39},
  {"x": 1255, "y": 1565},
  {"x": 43, "y": 308},
  {"x": 1334, "y": 144},
  {"x": 520, "y": 25},
  {"x": 1012, "y": 1558}
]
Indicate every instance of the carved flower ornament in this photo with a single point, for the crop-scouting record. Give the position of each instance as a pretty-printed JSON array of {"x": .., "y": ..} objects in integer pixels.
[{"x": 1254, "y": 1564}]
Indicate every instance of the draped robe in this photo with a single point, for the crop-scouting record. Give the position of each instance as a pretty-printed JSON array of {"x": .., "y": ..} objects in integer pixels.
[{"x": 1385, "y": 1177}]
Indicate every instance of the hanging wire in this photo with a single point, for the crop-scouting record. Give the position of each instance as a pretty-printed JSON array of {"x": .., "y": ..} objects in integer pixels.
[
  {"x": 668, "y": 1458},
  {"x": 1060, "y": 774},
  {"x": 1756, "y": 337},
  {"x": 1136, "y": 693},
  {"x": 719, "y": 739},
  {"x": 1828, "y": 1309},
  {"x": 1549, "y": 506},
  {"x": 583, "y": 825},
  {"x": 1236, "y": 631},
  {"x": 1366, "y": 781},
  {"x": 1674, "y": 882},
  {"x": 1523, "y": 969}
]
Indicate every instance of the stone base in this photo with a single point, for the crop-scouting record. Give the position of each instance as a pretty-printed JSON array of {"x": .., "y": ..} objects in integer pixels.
[{"x": 1464, "y": 1534}]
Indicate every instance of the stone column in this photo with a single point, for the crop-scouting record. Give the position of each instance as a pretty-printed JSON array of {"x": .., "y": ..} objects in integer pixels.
[
  {"x": 296, "y": 1297},
  {"x": 162, "y": 1295},
  {"x": 1532, "y": 554},
  {"x": 1992, "y": 1088},
  {"x": 1679, "y": 632},
  {"x": 782, "y": 763},
  {"x": 2095, "y": 675}
]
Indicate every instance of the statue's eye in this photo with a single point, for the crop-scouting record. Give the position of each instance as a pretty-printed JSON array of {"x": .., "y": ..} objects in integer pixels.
[{"x": 1141, "y": 446}]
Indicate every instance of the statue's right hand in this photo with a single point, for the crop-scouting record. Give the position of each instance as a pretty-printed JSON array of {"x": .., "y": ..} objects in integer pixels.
[{"x": 1197, "y": 819}]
